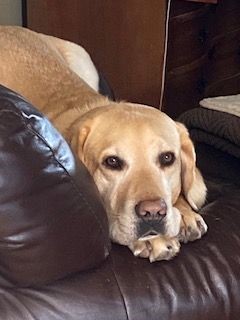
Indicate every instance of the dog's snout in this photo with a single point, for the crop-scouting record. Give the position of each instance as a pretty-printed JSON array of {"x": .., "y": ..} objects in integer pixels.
[{"x": 151, "y": 209}]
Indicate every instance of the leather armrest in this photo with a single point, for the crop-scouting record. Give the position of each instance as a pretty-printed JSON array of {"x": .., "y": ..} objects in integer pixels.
[{"x": 52, "y": 222}]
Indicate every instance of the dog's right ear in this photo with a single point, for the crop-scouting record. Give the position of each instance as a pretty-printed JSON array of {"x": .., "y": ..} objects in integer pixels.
[
  {"x": 83, "y": 133},
  {"x": 79, "y": 139}
]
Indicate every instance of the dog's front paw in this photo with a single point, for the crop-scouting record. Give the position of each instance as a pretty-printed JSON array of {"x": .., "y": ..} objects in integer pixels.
[
  {"x": 193, "y": 227},
  {"x": 156, "y": 248}
]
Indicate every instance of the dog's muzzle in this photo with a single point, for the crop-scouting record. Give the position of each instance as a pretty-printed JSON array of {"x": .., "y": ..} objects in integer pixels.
[{"x": 151, "y": 214}]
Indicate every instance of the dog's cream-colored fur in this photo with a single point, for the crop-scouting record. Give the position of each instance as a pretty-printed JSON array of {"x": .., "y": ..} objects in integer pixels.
[{"x": 46, "y": 71}]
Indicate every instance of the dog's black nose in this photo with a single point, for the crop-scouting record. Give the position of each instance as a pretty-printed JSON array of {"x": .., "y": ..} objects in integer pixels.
[{"x": 151, "y": 210}]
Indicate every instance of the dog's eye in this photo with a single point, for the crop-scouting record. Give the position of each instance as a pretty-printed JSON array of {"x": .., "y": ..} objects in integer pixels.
[
  {"x": 113, "y": 162},
  {"x": 166, "y": 159}
]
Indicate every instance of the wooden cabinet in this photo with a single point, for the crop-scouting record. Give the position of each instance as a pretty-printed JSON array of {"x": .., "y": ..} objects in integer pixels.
[
  {"x": 204, "y": 1},
  {"x": 125, "y": 39},
  {"x": 203, "y": 53}
]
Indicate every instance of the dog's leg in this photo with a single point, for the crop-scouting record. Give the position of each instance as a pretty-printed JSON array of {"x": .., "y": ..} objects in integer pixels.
[
  {"x": 156, "y": 248},
  {"x": 193, "y": 226}
]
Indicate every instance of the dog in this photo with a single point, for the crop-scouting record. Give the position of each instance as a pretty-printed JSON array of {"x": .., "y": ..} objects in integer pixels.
[{"x": 143, "y": 162}]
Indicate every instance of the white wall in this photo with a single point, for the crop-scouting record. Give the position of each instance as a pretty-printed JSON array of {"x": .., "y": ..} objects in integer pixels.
[{"x": 11, "y": 12}]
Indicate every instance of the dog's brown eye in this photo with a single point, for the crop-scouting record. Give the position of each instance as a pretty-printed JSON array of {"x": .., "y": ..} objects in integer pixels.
[
  {"x": 166, "y": 159},
  {"x": 113, "y": 163}
]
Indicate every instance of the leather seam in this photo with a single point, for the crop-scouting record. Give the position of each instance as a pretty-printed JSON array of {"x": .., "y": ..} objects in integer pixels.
[{"x": 119, "y": 288}]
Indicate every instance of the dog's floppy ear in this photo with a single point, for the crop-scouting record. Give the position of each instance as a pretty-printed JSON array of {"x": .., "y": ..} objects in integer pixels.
[
  {"x": 83, "y": 133},
  {"x": 193, "y": 186},
  {"x": 81, "y": 145},
  {"x": 79, "y": 137}
]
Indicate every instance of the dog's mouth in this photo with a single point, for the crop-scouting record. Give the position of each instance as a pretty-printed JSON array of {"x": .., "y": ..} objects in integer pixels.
[
  {"x": 150, "y": 230},
  {"x": 149, "y": 235}
]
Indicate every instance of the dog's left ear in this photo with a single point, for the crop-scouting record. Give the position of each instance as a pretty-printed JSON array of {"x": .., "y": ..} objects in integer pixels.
[{"x": 193, "y": 186}]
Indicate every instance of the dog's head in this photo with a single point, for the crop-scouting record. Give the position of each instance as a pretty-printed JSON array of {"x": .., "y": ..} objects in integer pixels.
[{"x": 141, "y": 161}]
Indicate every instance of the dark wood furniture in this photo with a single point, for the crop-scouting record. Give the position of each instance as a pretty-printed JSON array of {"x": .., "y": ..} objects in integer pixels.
[
  {"x": 203, "y": 53},
  {"x": 125, "y": 39}
]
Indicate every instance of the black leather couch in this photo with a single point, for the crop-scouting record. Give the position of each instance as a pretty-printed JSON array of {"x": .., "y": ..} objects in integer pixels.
[{"x": 55, "y": 256}]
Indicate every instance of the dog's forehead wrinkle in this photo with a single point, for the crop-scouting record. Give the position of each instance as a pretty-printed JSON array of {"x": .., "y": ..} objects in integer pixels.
[
  {"x": 118, "y": 128},
  {"x": 131, "y": 112}
]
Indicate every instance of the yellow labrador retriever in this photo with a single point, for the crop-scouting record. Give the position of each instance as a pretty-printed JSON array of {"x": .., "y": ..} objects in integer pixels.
[{"x": 142, "y": 162}]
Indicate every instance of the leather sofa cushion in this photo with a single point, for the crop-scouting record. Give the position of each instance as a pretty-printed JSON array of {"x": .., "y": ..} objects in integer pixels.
[
  {"x": 52, "y": 222},
  {"x": 202, "y": 282}
]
